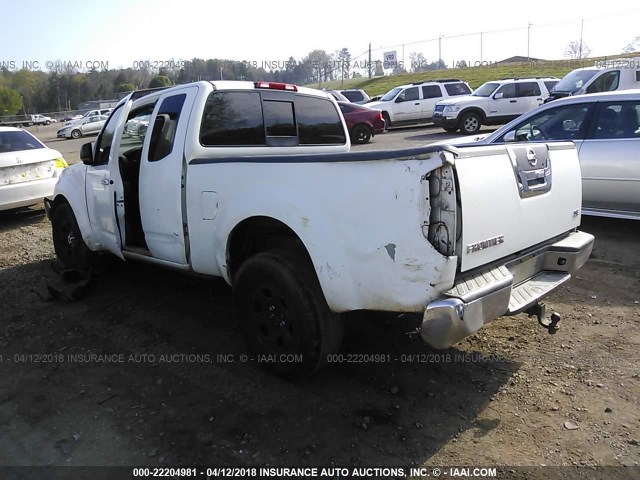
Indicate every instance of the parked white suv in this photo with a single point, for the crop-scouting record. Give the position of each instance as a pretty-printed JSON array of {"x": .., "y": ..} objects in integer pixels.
[
  {"x": 493, "y": 103},
  {"x": 415, "y": 103}
]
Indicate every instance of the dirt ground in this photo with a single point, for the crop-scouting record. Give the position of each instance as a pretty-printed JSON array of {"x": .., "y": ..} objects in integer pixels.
[{"x": 139, "y": 372}]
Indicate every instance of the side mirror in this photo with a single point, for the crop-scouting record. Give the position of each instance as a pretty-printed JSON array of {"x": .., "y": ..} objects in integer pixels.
[
  {"x": 498, "y": 95},
  {"x": 86, "y": 153},
  {"x": 510, "y": 136},
  {"x": 399, "y": 99}
]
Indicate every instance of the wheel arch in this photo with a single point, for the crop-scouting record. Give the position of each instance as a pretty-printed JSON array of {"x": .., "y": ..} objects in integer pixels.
[
  {"x": 476, "y": 110},
  {"x": 262, "y": 232},
  {"x": 70, "y": 189},
  {"x": 257, "y": 234}
]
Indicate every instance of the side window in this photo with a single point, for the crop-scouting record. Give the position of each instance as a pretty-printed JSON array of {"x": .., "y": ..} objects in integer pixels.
[
  {"x": 408, "y": 94},
  {"x": 550, "y": 84},
  {"x": 527, "y": 89},
  {"x": 163, "y": 134},
  {"x": 232, "y": 118},
  {"x": 318, "y": 122},
  {"x": 134, "y": 132},
  {"x": 431, "y": 91},
  {"x": 457, "y": 89},
  {"x": 618, "y": 120},
  {"x": 605, "y": 83},
  {"x": 507, "y": 91},
  {"x": 106, "y": 137},
  {"x": 561, "y": 123}
]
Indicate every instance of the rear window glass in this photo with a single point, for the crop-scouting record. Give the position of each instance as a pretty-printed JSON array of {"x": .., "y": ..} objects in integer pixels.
[
  {"x": 318, "y": 122},
  {"x": 241, "y": 118},
  {"x": 354, "y": 96},
  {"x": 232, "y": 118},
  {"x": 18, "y": 140},
  {"x": 278, "y": 119}
]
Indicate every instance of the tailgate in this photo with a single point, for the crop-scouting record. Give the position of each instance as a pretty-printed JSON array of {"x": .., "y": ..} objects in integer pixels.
[{"x": 515, "y": 196}]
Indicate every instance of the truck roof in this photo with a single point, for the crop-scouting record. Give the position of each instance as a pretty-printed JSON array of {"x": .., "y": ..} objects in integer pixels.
[{"x": 231, "y": 85}]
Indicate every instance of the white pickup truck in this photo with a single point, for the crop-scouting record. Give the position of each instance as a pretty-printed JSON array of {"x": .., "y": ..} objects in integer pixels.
[{"x": 254, "y": 182}]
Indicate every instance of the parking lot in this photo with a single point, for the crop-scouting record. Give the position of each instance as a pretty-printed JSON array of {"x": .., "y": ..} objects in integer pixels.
[{"x": 149, "y": 368}]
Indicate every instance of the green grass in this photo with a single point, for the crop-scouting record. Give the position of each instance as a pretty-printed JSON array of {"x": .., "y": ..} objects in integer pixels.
[{"x": 474, "y": 76}]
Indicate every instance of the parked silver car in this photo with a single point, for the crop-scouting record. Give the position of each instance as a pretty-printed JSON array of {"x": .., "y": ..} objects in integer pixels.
[
  {"x": 88, "y": 126},
  {"x": 606, "y": 130}
]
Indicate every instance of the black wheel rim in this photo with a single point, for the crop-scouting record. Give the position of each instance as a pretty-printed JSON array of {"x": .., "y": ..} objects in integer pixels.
[
  {"x": 271, "y": 318},
  {"x": 67, "y": 242},
  {"x": 362, "y": 135}
]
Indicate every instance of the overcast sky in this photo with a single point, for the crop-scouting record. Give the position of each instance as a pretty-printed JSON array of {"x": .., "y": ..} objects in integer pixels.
[{"x": 122, "y": 31}]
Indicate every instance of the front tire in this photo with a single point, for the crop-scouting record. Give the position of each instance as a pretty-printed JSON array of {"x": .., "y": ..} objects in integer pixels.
[
  {"x": 470, "y": 123},
  {"x": 72, "y": 252},
  {"x": 76, "y": 134},
  {"x": 360, "y": 134},
  {"x": 283, "y": 314},
  {"x": 387, "y": 120}
]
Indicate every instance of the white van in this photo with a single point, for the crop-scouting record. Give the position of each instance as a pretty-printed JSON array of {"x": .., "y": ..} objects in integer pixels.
[{"x": 603, "y": 76}]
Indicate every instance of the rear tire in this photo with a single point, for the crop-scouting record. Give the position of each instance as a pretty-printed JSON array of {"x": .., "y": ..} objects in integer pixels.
[
  {"x": 72, "y": 252},
  {"x": 360, "y": 134},
  {"x": 470, "y": 123},
  {"x": 283, "y": 314}
]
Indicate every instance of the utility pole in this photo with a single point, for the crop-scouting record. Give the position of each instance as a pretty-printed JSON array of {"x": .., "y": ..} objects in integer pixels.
[
  {"x": 581, "y": 30},
  {"x": 220, "y": 73},
  {"x": 439, "y": 51},
  {"x": 480, "y": 48},
  {"x": 528, "y": 39},
  {"x": 369, "y": 64}
]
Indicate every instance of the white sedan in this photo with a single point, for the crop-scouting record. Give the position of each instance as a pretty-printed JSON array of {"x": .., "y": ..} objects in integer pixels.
[
  {"x": 29, "y": 170},
  {"x": 89, "y": 126}
]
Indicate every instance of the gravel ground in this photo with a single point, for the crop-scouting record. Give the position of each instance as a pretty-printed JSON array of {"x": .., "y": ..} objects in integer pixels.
[{"x": 147, "y": 369}]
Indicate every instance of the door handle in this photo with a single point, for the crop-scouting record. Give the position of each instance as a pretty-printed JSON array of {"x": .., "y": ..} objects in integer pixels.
[
  {"x": 417, "y": 103},
  {"x": 105, "y": 181},
  {"x": 513, "y": 101}
]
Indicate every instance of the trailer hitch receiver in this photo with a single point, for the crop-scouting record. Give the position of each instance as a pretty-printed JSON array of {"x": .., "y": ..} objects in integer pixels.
[{"x": 539, "y": 310}]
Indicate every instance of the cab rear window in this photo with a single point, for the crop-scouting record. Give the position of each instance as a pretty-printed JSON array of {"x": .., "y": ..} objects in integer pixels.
[{"x": 245, "y": 118}]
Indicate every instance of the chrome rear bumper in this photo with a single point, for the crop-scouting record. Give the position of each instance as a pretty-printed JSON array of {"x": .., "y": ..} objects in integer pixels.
[{"x": 508, "y": 289}]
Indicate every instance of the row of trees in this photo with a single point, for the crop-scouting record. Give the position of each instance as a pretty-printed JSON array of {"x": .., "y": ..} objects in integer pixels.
[{"x": 63, "y": 87}]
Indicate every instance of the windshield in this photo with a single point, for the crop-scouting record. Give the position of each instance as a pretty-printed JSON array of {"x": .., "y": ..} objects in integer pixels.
[
  {"x": 16, "y": 141},
  {"x": 572, "y": 82},
  {"x": 486, "y": 89},
  {"x": 390, "y": 95}
]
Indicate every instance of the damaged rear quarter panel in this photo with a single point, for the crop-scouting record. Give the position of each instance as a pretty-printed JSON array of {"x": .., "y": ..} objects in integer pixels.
[{"x": 361, "y": 223}]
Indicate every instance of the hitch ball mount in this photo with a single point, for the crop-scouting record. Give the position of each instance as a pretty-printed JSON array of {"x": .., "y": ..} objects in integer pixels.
[{"x": 540, "y": 310}]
